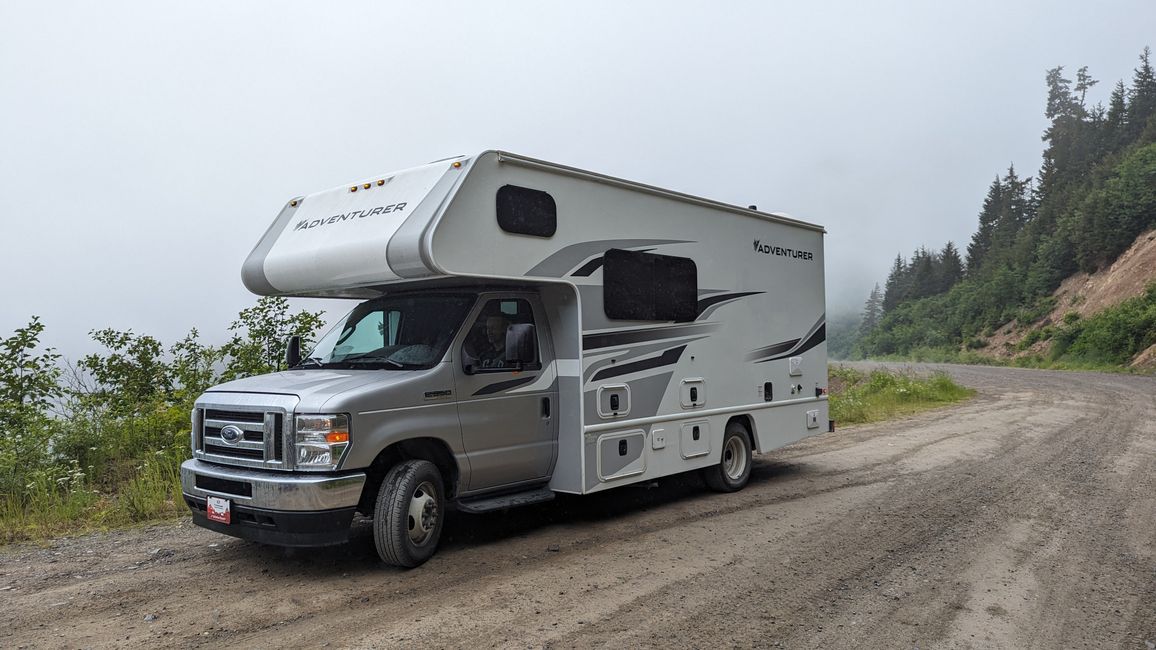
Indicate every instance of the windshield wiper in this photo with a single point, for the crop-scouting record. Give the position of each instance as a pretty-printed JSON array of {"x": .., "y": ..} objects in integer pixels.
[
  {"x": 396, "y": 364},
  {"x": 311, "y": 362}
]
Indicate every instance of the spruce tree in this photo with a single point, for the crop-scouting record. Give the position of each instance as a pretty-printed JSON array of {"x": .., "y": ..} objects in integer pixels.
[
  {"x": 1084, "y": 81},
  {"x": 895, "y": 288},
  {"x": 923, "y": 281},
  {"x": 1115, "y": 121},
  {"x": 872, "y": 312},
  {"x": 988, "y": 216},
  {"x": 1142, "y": 96},
  {"x": 950, "y": 267}
]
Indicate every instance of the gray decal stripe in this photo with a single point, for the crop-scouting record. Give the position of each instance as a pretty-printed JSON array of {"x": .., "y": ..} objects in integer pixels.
[
  {"x": 773, "y": 349},
  {"x": 634, "y": 352},
  {"x": 667, "y": 358},
  {"x": 639, "y": 335},
  {"x": 816, "y": 338},
  {"x": 504, "y": 385},
  {"x": 566, "y": 258},
  {"x": 714, "y": 300},
  {"x": 779, "y": 349}
]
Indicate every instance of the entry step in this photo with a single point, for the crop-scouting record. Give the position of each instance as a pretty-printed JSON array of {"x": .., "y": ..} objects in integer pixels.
[{"x": 502, "y": 501}]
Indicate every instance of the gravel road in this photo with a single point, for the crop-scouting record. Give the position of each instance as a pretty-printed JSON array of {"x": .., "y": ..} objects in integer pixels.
[{"x": 1025, "y": 518}]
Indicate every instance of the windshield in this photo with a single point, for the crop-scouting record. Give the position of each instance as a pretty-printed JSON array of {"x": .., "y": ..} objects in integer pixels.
[{"x": 393, "y": 333}]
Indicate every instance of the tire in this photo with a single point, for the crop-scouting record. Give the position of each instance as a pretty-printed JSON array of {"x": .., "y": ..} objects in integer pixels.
[
  {"x": 734, "y": 469},
  {"x": 408, "y": 515}
]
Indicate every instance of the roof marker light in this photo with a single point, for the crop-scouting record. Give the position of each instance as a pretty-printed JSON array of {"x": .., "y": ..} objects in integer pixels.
[
  {"x": 353, "y": 189},
  {"x": 293, "y": 203},
  {"x": 366, "y": 186},
  {"x": 457, "y": 164},
  {"x": 380, "y": 183}
]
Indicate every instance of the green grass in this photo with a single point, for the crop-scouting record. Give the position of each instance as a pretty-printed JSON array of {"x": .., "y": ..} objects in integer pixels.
[
  {"x": 857, "y": 397},
  {"x": 74, "y": 476},
  {"x": 51, "y": 507}
]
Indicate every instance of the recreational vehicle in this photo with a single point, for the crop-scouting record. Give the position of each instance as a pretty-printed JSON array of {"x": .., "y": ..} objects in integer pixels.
[{"x": 518, "y": 329}]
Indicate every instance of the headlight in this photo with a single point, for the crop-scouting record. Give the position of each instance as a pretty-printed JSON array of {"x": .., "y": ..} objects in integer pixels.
[{"x": 321, "y": 440}]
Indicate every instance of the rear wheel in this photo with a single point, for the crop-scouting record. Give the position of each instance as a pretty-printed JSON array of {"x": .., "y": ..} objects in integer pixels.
[
  {"x": 408, "y": 515},
  {"x": 734, "y": 470}
]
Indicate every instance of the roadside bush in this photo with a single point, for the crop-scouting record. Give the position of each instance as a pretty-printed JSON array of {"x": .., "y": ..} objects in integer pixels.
[
  {"x": 880, "y": 394},
  {"x": 101, "y": 443},
  {"x": 1112, "y": 336}
]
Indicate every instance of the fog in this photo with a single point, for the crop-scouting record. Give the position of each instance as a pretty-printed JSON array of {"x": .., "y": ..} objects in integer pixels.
[{"x": 146, "y": 147}]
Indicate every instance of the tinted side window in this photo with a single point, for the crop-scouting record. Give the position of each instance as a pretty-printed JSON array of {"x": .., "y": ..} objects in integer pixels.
[
  {"x": 485, "y": 346},
  {"x": 645, "y": 286},
  {"x": 524, "y": 211}
]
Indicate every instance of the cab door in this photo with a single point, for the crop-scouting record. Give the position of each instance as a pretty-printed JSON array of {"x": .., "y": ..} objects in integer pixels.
[{"x": 507, "y": 413}]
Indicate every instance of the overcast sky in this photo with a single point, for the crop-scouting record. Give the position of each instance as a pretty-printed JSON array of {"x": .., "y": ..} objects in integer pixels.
[{"x": 144, "y": 148}]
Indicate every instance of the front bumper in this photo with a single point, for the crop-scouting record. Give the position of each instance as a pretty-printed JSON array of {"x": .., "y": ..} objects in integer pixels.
[{"x": 271, "y": 508}]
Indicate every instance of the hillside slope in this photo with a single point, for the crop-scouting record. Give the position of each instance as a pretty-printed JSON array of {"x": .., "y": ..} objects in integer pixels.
[
  {"x": 1050, "y": 258},
  {"x": 1084, "y": 294}
]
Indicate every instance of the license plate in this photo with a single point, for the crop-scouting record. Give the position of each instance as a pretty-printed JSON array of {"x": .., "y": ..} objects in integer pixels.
[{"x": 217, "y": 509}]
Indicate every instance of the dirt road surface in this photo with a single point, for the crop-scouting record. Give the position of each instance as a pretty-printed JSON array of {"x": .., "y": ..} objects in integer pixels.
[{"x": 1025, "y": 518}]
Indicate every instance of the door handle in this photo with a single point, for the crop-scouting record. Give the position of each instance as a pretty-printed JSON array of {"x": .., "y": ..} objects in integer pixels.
[{"x": 545, "y": 408}]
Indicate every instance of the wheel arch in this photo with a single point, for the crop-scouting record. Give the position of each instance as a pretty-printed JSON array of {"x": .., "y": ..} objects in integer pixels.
[
  {"x": 434, "y": 450},
  {"x": 748, "y": 423}
]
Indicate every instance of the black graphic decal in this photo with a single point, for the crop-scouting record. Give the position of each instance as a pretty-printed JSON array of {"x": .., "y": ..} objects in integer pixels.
[
  {"x": 722, "y": 297},
  {"x": 667, "y": 358},
  {"x": 504, "y": 385}
]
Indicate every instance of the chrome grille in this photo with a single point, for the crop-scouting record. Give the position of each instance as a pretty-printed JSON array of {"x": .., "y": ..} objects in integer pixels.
[
  {"x": 260, "y": 435},
  {"x": 264, "y": 421}
]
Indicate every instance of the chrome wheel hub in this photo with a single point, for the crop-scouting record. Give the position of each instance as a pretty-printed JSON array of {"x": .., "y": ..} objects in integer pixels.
[
  {"x": 734, "y": 458},
  {"x": 423, "y": 513}
]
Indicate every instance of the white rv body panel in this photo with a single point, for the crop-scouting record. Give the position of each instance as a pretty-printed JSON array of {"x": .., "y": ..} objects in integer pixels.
[{"x": 760, "y": 322}]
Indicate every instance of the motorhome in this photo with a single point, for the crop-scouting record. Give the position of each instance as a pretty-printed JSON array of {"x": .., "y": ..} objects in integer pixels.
[{"x": 518, "y": 329}]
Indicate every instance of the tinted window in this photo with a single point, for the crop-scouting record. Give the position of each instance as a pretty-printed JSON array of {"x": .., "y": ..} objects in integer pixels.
[
  {"x": 645, "y": 286},
  {"x": 485, "y": 346},
  {"x": 524, "y": 211}
]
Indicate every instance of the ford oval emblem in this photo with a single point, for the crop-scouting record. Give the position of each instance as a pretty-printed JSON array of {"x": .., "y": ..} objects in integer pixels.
[{"x": 231, "y": 435}]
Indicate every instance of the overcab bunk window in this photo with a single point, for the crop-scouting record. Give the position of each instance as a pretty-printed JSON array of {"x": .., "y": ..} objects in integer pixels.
[
  {"x": 524, "y": 211},
  {"x": 645, "y": 286}
]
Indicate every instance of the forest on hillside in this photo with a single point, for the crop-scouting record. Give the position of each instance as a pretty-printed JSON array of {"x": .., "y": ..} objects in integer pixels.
[{"x": 1094, "y": 193}]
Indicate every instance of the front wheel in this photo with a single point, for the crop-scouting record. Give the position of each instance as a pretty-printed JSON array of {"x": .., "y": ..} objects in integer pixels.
[
  {"x": 407, "y": 518},
  {"x": 734, "y": 470}
]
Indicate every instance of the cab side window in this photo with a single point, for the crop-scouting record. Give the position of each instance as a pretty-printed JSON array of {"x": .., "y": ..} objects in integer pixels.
[{"x": 484, "y": 349}]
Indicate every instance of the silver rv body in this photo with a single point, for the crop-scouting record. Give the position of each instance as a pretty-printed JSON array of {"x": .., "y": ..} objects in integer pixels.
[{"x": 656, "y": 332}]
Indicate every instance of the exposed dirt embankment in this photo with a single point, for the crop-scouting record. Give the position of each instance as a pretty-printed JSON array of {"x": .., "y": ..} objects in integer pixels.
[{"x": 1086, "y": 294}]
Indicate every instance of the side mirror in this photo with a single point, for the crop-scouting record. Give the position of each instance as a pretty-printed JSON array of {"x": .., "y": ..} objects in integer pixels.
[
  {"x": 292, "y": 351},
  {"x": 521, "y": 345}
]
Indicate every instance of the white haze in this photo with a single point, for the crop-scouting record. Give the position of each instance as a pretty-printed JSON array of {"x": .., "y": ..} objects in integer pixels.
[{"x": 147, "y": 146}]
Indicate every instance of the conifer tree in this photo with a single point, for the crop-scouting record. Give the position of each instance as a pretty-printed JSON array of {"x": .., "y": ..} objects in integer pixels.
[
  {"x": 1142, "y": 96},
  {"x": 1084, "y": 81},
  {"x": 872, "y": 312},
  {"x": 988, "y": 216},
  {"x": 923, "y": 276},
  {"x": 1114, "y": 122},
  {"x": 895, "y": 288},
  {"x": 950, "y": 267}
]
